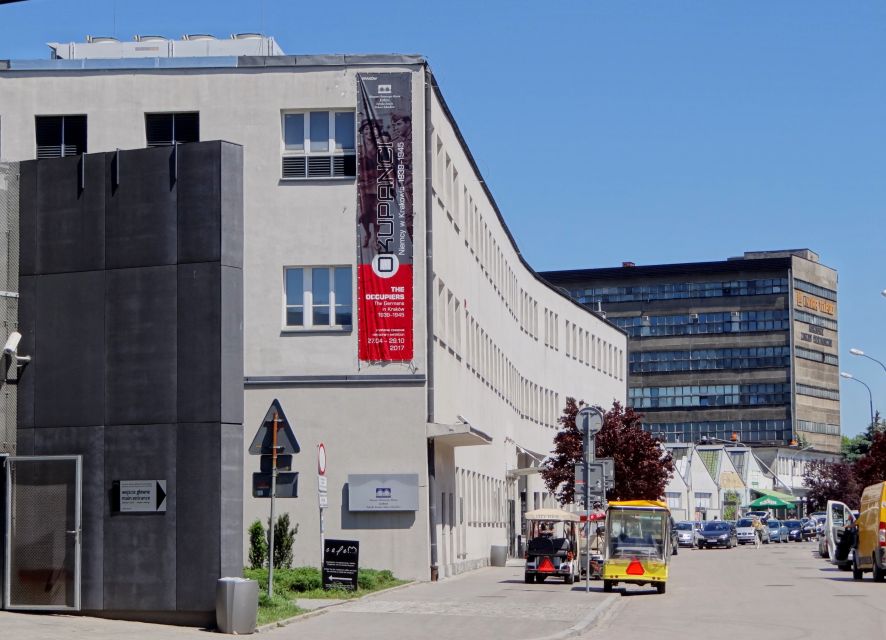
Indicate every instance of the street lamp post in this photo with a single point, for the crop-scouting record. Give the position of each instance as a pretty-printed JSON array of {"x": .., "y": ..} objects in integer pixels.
[
  {"x": 849, "y": 376},
  {"x": 859, "y": 352}
]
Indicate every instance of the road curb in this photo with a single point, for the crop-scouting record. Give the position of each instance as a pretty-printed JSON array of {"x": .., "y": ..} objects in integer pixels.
[
  {"x": 587, "y": 622},
  {"x": 319, "y": 612}
]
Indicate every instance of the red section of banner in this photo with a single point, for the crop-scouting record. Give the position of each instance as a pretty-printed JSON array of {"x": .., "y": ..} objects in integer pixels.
[{"x": 385, "y": 307}]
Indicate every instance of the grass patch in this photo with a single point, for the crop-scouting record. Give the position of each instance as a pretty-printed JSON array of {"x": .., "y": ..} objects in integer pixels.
[
  {"x": 307, "y": 582},
  {"x": 277, "y": 608}
]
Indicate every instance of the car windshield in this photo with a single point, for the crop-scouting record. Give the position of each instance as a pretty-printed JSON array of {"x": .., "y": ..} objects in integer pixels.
[
  {"x": 716, "y": 526},
  {"x": 793, "y": 523},
  {"x": 684, "y": 526},
  {"x": 774, "y": 524},
  {"x": 744, "y": 522}
]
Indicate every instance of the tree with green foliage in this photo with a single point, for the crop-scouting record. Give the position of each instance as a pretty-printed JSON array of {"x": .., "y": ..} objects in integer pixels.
[
  {"x": 258, "y": 545},
  {"x": 858, "y": 446},
  {"x": 284, "y": 539}
]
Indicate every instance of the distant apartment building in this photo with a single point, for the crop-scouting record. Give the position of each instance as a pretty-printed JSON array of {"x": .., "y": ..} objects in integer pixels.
[{"x": 744, "y": 346}]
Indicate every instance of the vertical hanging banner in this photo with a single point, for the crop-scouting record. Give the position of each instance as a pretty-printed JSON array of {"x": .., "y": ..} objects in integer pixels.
[{"x": 384, "y": 216}]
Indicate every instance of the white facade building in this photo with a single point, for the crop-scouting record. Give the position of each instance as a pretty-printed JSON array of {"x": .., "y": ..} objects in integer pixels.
[{"x": 497, "y": 350}]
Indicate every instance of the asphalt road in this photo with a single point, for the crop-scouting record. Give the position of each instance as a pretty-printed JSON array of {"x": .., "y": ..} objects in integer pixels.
[{"x": 782, "y": 591}]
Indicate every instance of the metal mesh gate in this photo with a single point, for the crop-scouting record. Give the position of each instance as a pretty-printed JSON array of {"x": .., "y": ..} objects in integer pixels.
[
  {"x": 9, "y": 247},
  {"x": 43, "y": 532}
]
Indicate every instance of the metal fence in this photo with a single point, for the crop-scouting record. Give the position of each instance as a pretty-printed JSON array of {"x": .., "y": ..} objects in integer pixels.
[{"x": 9, "y": 248}]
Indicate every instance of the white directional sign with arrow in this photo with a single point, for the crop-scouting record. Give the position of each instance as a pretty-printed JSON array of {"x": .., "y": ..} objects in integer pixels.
[{"x": 142, "y": 496}]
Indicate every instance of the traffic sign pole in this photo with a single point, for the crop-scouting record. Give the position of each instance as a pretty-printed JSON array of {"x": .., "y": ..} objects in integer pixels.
[
  {"x": 273, "y": 496},
  {"x": 321, "y": 493},
  {"x": 588, "y": 436}
]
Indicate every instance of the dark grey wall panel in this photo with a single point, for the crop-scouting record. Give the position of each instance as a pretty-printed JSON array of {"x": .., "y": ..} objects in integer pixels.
[
  {"x": 71, "y": 219},
  {"x": 27, "y": 326},
  {"x": 140, "y": 549},
  {"x": 232, "y": 345},
  {"x": 137, "y": 338},
  {"x": 88, "y": 442},
  {"x": 199, "y": 188},
  {"x": 199, "y": 342},
  {"x": 142, "y": 214},
  {"x": 231, "y": 497},
  {"x": 232, "y": 205},
  {"x": 199, "y": 471},
  {"x": 27, "y": 199},
  {"x": 141, "y": 345},
  {"x": 71, "y": 309},
  {"x": 24, "y": 441}
]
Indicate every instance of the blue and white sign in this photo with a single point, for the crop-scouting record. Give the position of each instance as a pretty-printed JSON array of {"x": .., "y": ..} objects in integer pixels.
[{"x": 383, "y": 492}]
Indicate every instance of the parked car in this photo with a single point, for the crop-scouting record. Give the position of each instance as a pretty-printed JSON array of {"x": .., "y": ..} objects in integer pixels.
[
  {"x": 716, "y": 533},
  {"x": 777, "y": 531},
  {"x": 763, "y": 515},
  {"x": 745, "y": 532},
  {"x": 808, "y": 529},
  {"x": 795, "y": 530},
  {"x": 675, "y": 542},
  {"x": 687, "y": 534}
]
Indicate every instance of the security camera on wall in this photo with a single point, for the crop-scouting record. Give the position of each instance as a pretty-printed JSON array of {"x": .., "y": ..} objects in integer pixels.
[
  {"x": 11, "y": 348},
  {"x": 12, "y": 343}
]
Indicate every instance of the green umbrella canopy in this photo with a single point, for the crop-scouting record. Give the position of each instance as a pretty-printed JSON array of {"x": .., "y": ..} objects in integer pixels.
[{"x": 773, "y": 502}]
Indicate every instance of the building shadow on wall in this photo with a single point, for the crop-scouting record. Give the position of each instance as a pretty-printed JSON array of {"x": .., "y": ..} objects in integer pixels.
[{"x": 373, "y": 519}]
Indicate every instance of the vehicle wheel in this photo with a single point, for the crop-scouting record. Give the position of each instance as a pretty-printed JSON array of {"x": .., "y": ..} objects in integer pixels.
[
  {"x": 528, "y": 578},
  {"x": 661, "y": 586},
  {"x": 607, "y": 586},
  {"x": 569, "y": 579},
  {"x": 857, "y": 573},
  {"x": 879, "y": 574}
]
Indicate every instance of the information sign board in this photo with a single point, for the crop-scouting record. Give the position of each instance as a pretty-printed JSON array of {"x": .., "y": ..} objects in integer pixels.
[{"x": 340, "y": 562}]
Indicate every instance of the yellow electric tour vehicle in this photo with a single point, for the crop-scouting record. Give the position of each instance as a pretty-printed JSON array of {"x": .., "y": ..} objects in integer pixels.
[{"x": 638, "y": 544}]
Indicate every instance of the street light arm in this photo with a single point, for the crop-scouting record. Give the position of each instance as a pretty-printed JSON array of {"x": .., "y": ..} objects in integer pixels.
[
  {"x": 864, "y": 355},
  {"x": 870, "y": 394}
]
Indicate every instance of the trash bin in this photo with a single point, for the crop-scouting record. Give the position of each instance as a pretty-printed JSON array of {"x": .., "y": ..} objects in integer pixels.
[
  {"x": 498, "y": 556},
  {"x": 236, "y": 605}
]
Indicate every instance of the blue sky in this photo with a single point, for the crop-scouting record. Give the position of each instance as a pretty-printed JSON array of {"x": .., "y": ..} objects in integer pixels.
[{"x": 646, "y": 131}]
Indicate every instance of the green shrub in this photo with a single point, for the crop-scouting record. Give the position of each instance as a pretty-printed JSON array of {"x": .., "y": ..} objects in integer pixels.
[
  {"x": 258, "y": 545},
  {"x": 300, "y": 579},
  {"x": 284, "y": 538}
]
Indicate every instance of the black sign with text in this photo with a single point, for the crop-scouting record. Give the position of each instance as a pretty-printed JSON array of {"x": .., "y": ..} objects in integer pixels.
[{"x": 340, "y": 564}]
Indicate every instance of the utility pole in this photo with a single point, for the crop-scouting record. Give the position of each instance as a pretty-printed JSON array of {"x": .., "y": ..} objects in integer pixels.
[{"x": 590, "y": 420}]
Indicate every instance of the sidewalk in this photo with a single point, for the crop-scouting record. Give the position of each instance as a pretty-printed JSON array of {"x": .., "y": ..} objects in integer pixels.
[{"x": 488, "y": 603}]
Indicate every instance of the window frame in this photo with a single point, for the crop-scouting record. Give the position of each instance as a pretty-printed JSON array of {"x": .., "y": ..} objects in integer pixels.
[
  {"x": 64, "y": 117},
  {"x": 305, "y": 152},
  {"x": 308, "y": 300},
  {"x": 172, "y": 115}
]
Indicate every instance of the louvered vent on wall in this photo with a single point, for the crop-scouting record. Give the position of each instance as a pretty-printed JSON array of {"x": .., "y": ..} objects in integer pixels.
[{"x": 334, "y": 166}]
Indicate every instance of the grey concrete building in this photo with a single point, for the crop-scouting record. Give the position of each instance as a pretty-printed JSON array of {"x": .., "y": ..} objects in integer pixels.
[
  {"x": 461, "y": 405},
  {"x": 744, "y": 346}
]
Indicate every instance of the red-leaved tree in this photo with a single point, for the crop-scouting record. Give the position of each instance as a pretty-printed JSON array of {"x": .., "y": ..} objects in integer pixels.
[
  {"x": 642, "y": 467},
  {"x": 871, "y": 468},
  {"x": 827, "y": 480}
]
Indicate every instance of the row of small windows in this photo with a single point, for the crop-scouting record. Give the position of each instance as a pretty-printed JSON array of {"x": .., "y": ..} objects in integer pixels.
[
  {"x": 593, "y": 351},
  {"x": 818, "y": 321},
  {"x": 816, "y": 290},
  {"x": 61, "y": 136},
  {"x": 748, "y": 430},
  {"x": 817, "y": 356},
  {"x": 709, "y": 359},
  {"x": 646, "y": 293},
  {"x": 463, "y": 212},
  {"x": 818, "y": 427},
  {"x": 818, "y": 392},
  {"x": 704, "y": 323},
  {"x": 709, "y": 395}
]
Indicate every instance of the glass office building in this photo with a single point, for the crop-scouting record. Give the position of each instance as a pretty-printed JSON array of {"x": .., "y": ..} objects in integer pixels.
[{"x": 744, "y": 346}]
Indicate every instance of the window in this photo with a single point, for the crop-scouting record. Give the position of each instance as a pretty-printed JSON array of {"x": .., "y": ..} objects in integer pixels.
[
  {"x": 317, "y": 297},
  {"x": 319, "y": 144},
  {"x": 674, "y": 499},
  {"x": 163, "y": 129},
  {"x": 60, "y": 136}
]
